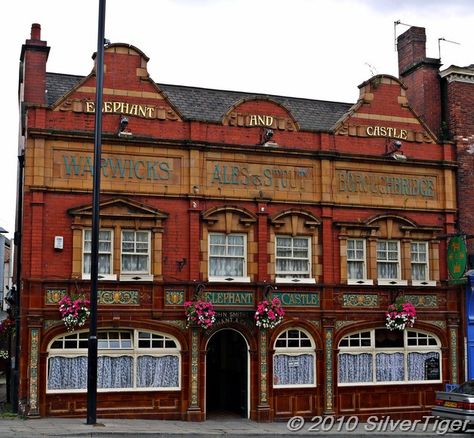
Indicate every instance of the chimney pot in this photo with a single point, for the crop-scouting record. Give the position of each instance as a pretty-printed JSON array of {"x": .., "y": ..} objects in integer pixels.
[{"x": 36, "y": 31}]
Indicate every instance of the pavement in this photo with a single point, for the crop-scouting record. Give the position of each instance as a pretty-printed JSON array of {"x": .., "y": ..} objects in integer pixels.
[
  {"x": 220, "y": 426},
  {"x": 226, "y": 425}
]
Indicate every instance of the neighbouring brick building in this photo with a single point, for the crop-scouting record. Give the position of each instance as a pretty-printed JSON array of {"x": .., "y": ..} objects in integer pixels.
[
  {"x": 335, "y": 208},
  {"x": 444, "y": 98}
]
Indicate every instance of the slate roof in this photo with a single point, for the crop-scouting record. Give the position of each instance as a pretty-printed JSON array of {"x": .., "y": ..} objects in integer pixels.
[{"x": 208, "y": 105}]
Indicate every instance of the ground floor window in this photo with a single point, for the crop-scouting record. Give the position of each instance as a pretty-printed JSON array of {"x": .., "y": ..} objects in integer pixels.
[
  {"x": 294, "y": 361},
  {"x": 381, "y": 356},
  {"x": 127, "y": 360}
]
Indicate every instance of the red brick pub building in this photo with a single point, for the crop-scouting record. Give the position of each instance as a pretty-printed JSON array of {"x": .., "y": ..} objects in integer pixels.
[{"x": 338, "y": 209}]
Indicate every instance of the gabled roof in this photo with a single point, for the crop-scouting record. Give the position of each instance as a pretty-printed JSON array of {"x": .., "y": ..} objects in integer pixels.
[{"x": 208, "y": 105}]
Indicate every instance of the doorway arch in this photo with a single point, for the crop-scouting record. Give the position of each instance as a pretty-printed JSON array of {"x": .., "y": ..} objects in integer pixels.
[{"x": 227, "y": 374}]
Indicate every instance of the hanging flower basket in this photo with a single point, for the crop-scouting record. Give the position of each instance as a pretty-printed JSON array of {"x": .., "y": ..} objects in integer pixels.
[
  {"x": 269, "y": 313},
  {"x": 74, "y": 312},
  {"x": 7, "y": 327},
  {"x": 199, "y": 314},
  {"x": 400, "y": 315}
]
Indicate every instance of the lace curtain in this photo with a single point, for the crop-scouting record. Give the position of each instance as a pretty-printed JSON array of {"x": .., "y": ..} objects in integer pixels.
[
  {"x": 293, "y": 370},
  {"x": 416, "y": 364},
  {"x": 67, "y": 372},
  {"x": 354, "y": 368},
  {"x": 387, "y": 270},
  {"x": 389, "y": 367},
  {"x": 226, "y": 266},
  {"x": 355, "y": 270},
  {"x": 418, "y": 271},
  {"x": 158, "y": 372},
  {"x": 114, "y": 372}
]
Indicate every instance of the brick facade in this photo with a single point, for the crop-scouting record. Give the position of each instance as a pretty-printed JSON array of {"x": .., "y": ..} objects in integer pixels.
[{"x": 193, "y": 170}]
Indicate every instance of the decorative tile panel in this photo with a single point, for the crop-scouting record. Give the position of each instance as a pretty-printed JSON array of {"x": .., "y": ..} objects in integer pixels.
[
  {"x": 194, "y": 368},
  {"x": 174, "y": 297},
  {"x": 453, "y": 353},
  {"x": 33, "y": 373},
  {"x": 360, "y": 300},
  {"x": 340, "y": 324},
  {"x": 104, "y": 296},
  {"x": 328, "y": 341},
  {"x": 440, "y": 324},
  {"x": 263, "y": 335},
  {"x": 422, "y": 301},
  {"x": 53, "y": 296},
  {"x": 180, "y": 323},
  {"x": 123, "y": 297}
]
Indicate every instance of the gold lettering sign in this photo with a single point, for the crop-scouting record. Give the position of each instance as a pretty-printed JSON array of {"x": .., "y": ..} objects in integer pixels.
[
  {"x": 386, "y": 131},
  {"x": 263, "y": 120},
  {"x": 145, "y": 111}
]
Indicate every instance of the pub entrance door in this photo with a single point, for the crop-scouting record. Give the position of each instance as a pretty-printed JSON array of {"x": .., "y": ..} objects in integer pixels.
[{"x": 227, "y": 374}]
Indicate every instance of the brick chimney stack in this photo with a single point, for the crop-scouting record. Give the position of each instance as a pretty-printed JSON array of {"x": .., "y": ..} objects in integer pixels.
[
  {"x": 34, "y": 54},
  {"x": 421, "y": 76}
]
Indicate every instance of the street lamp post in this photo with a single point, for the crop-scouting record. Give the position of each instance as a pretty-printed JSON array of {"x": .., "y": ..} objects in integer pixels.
[{"x": 92, "y": 344}]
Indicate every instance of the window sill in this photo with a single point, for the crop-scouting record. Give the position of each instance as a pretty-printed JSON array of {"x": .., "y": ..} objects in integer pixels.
[
  {"x": 295, "y": 280},
  {"x": 306, "y": 385},
  {"x": 391, "y": 282},
  {"x": 136, "y": 277},
  {"x": 229, "y": 279},
  {"x": 361, "y": 282},
  {"x": 101, "y": 277},
  {"x": 423, "y": 283}
]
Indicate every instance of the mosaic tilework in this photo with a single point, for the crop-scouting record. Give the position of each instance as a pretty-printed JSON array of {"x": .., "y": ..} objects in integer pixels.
[
  {"x": 453, "y": 353},
  {"x": 360, "y": 300},
  {"x": 328, "y": 341},
  {"x": 174, "y": 297},
  {"x": 263, "y": 367},
  {"x": 194, "y": 367},
  {"x": 422, "y": 301},
  {"x": 33, "y": 372}
]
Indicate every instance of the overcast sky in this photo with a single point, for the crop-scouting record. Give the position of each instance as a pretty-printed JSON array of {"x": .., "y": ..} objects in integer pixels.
[{"x": 318, "y": 49}]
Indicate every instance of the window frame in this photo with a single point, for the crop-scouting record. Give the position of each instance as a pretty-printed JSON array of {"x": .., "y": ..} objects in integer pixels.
[
  {"x": 365, "y": 279},
  {"x": 228, "y": 278},
  {"x": 426, "y": 281},
  {"x": 294, "y": 352},
  {"x": 135, "y": 352},
  {"x": 389, "y": 281},
  {"x": 406, "y": 349},
  {"x": 136, "y": 275},
  {"x": 110, "y": 275},
  {"x": 309, "y": 278}
]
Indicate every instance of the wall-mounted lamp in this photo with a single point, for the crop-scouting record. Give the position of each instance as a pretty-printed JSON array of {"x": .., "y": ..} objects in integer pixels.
[
  {"x": 181, "y": 264},
  {"x": 266, "y": 137},
  {"x": 393, "y": 150},
  {"x": 122, "y": 130}
]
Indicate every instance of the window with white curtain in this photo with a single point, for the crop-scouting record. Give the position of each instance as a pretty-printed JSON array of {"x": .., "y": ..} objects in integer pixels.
[
  {"x": 105, "y": 251},
  {"x": 294, "y": 360},
  {"x": 381, "y": 356},
  {"x": 227, "y": 257},
  {"x": 127, "y": 360},
  {"x": 135, "y": 252},
  {"x": 388, "y": 259},
  {"x": 293, "y": 258},
  {"x": 420, "y": 264},
  {"x": 356, "y": 256}
]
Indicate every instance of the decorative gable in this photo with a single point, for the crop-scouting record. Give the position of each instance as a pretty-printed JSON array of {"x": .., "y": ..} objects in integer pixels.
[{"x": 383, "y": 111}]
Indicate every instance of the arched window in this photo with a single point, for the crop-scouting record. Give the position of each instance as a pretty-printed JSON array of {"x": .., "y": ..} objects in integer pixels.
[
  {"x": 127, "y": 360},
  {"x": 381, "y": 356},
  {"x": 294, "y": 360}
]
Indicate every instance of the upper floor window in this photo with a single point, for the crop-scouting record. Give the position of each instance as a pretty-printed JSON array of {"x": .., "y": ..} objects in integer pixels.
[
  {"x": 294, "y": 360},
  {"x": 381, "y": 356},
  {"x": 356, "y": 261},
  {"x": 293, "y": 257},
  {"x": 388, "y": 260},
  {"x": 105, "y": 259},
  {"x": 227, "y": 256},
  {"x": 135, "y": 252},
  {"x": 131, "y": 360},
  {"x": 419, "y": 262}
]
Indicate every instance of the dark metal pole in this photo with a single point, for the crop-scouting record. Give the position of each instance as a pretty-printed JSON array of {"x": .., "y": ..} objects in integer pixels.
[{"x": 92, "y": 345}]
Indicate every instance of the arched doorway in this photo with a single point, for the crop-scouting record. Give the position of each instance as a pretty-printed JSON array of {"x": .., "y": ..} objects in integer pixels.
[{"x": 227, "y": 374}]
